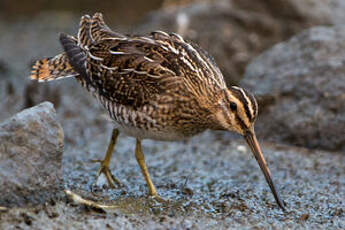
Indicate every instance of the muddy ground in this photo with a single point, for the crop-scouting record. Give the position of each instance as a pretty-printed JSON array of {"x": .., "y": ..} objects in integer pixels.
[{"x": 209, "y": 182}]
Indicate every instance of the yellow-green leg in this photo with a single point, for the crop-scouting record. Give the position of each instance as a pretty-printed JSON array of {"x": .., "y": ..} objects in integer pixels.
[
  {"x": 104, "y": 168},
  {"x": 141, "y": 161}
]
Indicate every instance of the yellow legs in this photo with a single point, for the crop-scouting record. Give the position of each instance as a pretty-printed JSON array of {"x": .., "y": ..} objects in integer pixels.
[
  {"x": 104, "y": 168},
  {"x": 141, "y": 161}
]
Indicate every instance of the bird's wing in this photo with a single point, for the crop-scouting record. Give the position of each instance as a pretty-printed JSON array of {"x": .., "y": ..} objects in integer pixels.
[{"x": 132, "y": 70}]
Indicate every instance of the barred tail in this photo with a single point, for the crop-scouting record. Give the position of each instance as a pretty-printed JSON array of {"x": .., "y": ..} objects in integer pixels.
[
  {"x": 72, "y": 62},
  {"x": 49, "y": 69}
]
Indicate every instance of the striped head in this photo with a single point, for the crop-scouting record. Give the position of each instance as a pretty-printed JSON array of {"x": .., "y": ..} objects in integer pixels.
[{"x": 236, "y": 110}]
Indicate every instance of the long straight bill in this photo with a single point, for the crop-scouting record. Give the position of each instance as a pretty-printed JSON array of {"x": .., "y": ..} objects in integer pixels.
[{"x": 254, "y": 145}]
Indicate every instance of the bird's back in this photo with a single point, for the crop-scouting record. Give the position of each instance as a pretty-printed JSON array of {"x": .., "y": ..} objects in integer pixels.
[{"x": 157, "y": 82}]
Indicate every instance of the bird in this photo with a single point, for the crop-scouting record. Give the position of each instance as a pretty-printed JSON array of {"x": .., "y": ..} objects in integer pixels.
[{"x": 157, "y": 86}]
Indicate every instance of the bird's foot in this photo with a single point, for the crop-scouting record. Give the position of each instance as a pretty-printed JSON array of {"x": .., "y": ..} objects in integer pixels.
[
  {"x": 158, "y": 199},
  {"x": 104, "y": 168}
]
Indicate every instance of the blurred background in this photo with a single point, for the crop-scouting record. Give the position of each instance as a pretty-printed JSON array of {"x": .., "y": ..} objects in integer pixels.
[
  {"x": 120, "y": 12},
  {"x": 233, "y": 32}
]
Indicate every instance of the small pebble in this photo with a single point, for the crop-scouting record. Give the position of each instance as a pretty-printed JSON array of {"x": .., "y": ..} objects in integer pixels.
[
  {"x": 241, "y": 148},
  {"x": 304, "y": 217}
]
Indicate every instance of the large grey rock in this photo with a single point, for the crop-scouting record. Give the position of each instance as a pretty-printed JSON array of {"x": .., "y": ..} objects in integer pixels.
[
  {"x": 296, "y": 13},
  {"x": 301, "y": 83},
  {"x": 236, "y": 31},
  {"x": 31, "y": 146}
]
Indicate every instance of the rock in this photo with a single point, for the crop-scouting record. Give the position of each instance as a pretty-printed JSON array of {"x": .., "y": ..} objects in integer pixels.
[
  {"x": 31, "y": 146},
  {"x": 296, "y": 14},
  {"x": 301, "y": 83},
  {"x": 236, "y": 31}
]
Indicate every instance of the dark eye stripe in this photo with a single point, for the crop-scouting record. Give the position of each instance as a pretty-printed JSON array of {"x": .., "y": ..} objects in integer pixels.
[
  {"x": 239, "y": 95},
  {"x": 254, "y": 104}
]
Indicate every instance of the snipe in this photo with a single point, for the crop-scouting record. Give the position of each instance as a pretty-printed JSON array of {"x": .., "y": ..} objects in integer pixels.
[{"x": 158, "y": 86}]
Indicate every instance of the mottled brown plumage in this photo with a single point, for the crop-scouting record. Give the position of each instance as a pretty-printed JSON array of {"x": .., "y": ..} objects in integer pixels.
[{"x": 157, "y": 86}]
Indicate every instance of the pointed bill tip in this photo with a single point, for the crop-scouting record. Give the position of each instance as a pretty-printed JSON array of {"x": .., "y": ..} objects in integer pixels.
[{"x": 255, "y": 147}]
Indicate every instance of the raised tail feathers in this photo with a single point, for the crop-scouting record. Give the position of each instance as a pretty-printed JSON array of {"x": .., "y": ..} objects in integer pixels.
[
  {"x": 72, "y": 62},
  {"x": 54, "y": 68}
]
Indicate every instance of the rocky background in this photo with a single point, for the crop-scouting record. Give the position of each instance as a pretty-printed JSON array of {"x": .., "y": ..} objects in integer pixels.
[{"x": 290, "y": 53}]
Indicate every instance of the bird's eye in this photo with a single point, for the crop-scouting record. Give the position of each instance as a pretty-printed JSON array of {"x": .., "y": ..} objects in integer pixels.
[{"x": 233, "y": 106}]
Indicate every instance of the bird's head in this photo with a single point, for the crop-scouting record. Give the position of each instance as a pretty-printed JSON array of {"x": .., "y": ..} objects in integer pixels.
[{"x": 236, "y": 110}]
